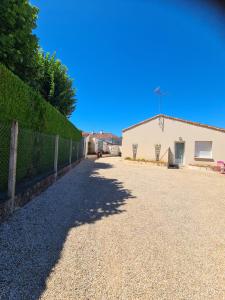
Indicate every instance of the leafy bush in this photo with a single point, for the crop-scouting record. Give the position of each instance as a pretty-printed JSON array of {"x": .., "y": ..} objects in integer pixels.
[{"x": 20, "y": 102}]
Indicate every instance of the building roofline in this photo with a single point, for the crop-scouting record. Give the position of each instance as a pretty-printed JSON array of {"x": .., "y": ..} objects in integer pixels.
[
  {"x": 104, "y": 135},
  {"x": 174, "y": 119}
]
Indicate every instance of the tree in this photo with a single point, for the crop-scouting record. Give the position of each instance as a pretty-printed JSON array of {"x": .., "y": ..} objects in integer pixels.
[
  {"x": 55, "y": 85},
  {"x": 20, "y": 52},
  {"x": 18, "y": 45}
]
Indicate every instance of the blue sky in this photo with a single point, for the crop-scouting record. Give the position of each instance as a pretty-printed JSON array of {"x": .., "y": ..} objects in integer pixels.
[{"x": 118, "y": 51}]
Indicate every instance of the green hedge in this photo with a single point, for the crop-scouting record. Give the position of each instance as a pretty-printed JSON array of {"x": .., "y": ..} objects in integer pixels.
[
  {"x": 38, "y": 123},
  {"x": 20, "y": 102}
]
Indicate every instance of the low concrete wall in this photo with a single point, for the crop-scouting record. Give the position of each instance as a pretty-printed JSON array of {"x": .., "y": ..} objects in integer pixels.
[{"x": 22, "y": 198}]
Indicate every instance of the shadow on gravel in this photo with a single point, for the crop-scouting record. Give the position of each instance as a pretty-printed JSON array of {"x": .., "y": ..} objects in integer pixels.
[{"x": 32, "y": 240}]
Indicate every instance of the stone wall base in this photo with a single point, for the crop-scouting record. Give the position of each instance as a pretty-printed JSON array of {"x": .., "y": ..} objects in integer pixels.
[{"x": 28, "y": 194}]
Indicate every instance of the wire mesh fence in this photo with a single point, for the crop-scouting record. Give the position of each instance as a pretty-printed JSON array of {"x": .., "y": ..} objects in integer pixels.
[
  {"x": 4, "y": 157},
  {"x": 64, "y": 152},
  {"x": 75, "y": 151},
  {"x": 80, "y": 150},
  {"x": 35, "y": 156}
]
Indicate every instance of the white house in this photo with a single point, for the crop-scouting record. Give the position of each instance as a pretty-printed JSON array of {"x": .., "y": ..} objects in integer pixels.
[{"x": 174, "y": 140}]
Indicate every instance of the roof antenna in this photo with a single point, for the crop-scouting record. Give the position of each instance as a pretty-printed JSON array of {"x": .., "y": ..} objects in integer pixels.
[{"x": 160, "y": 94}]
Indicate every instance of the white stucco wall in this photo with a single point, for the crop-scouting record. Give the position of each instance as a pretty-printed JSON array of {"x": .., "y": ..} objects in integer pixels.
[{"x": 150, "y": 133}]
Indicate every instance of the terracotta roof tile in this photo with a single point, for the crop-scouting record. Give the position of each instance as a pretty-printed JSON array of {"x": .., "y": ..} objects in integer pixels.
[
  {"x": 103, "y": 135},
  {"x": 85, "y": 134}
]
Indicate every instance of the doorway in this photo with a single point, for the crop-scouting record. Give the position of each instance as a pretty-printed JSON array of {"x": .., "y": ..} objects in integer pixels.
[{"x": 179, "y": 153}]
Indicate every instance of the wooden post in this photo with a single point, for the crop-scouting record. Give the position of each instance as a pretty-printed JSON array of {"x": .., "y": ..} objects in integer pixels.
[
  {"x": 83, "y": 147},
  {"x": 87, "y": 140},
  {"x": 12, "y": 164},
  {"x": 77, "y": 150},
  {"x": 56, "y": 156},
  {"x": 71, "y": 148}
]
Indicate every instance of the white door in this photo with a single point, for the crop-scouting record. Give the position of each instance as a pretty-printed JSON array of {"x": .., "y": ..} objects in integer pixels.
[{"x": 179, "y": 153}]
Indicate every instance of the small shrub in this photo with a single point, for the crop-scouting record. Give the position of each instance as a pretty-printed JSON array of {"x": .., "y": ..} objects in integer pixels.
[{"x": 159, "y": 163}]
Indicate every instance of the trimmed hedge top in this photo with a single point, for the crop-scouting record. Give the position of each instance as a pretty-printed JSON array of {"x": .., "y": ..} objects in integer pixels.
[{"x": 20, "y": 102}]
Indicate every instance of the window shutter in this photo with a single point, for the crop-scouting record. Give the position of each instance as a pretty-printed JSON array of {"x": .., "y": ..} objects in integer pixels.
[{"x": 203, "y": 149}]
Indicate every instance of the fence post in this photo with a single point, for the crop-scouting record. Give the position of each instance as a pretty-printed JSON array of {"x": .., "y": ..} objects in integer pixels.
[
  {"x": 77, "y": 150},
  {"x": 83, "y": 148},
  {"x": 56, "y": 156},
  {"x": 71, "y": 148},
  {"x": 12, "y": 164}
]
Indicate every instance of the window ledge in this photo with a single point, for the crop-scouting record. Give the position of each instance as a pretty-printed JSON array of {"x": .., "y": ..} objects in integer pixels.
[{"x": 204, "y": 159}]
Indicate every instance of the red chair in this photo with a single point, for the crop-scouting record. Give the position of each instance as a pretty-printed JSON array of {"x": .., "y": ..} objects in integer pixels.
[{"x": 221, "y": 166}]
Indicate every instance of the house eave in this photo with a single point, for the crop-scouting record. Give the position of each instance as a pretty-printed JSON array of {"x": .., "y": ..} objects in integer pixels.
[{"x": 174, "y": 119}]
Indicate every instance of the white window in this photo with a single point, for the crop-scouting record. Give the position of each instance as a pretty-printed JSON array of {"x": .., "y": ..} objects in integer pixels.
[{"x": 203, "y": 149}]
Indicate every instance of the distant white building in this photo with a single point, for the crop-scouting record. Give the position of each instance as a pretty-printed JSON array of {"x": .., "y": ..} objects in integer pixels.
[{"x": 101, "y": 142}]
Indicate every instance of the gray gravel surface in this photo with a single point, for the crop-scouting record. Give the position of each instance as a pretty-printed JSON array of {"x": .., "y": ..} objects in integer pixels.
[{"x": 116, "y": 230}]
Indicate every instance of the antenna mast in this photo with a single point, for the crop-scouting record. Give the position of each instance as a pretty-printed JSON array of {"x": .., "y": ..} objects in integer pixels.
[{"x": 160, "y": 95}]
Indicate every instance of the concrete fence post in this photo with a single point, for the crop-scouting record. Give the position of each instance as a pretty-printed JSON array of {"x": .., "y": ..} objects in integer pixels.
[
  {"x": 56, "y": 156},
  {"x": 71, "y": 149},
  {"x": 12, "y": 164}
]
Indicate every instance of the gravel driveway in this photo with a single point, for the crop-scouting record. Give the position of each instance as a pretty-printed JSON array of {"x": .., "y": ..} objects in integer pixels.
[{"x": 110, "y": 229}]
